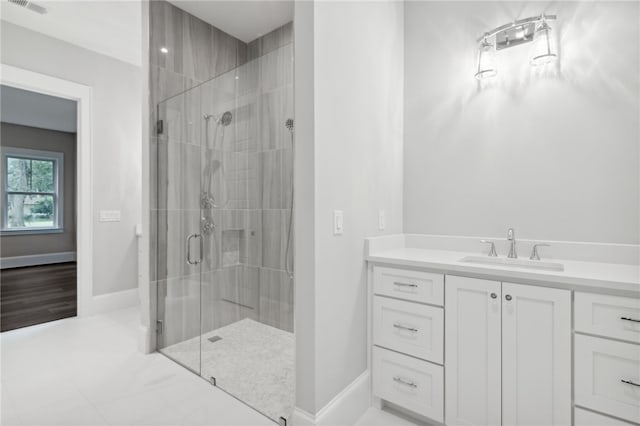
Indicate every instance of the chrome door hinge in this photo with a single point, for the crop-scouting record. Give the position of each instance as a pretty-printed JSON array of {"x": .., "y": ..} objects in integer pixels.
[
  {"x": 159, "y": 127},
  {"x": 159, "y": 326}
]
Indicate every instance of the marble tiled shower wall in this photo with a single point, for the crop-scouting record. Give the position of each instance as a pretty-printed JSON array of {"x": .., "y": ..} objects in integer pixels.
[{"x": 248, "y": 171}]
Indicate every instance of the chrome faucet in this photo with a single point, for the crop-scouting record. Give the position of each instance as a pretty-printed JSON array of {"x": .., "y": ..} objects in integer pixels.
[{"x": 511, "y": 236}]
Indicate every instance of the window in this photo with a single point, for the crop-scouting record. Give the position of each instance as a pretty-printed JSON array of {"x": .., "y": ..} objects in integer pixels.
[{"x": 32, "y": 190}]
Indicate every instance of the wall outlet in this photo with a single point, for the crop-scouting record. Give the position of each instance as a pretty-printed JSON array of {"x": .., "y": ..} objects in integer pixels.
[
  {"x": 382, "y": 223},
  {"x": 338, "y": 222},
  {"x": 109, "y": 216}
]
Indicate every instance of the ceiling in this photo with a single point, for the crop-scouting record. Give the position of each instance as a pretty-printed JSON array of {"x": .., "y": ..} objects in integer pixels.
[
  {"x": 37, "y": 110},
  {"x": 244, "y": 19},
  {"x": 112, "y": 28}
]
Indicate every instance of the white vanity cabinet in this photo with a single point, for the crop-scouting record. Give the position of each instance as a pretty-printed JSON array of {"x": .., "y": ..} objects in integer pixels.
[
  {"x": 485, "y": 351},
  {"x": 508, "y": 353}
]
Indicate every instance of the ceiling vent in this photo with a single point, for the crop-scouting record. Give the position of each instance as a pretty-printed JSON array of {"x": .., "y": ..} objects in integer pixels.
[{"x": 30, "y": 5}]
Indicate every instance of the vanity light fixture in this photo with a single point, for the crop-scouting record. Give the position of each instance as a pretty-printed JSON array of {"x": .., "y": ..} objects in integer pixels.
[
  {"x": 164, "y": 50},
  {"x": 515, "y": 33}
]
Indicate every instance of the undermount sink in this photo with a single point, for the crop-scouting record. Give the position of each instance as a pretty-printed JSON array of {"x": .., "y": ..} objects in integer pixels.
[{"x": 514, "y": 263}]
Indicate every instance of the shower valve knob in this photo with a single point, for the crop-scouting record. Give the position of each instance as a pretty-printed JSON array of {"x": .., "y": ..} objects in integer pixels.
[{"x": 207, "y": 226}]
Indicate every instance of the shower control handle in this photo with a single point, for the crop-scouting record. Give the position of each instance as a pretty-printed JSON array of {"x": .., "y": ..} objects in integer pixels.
[{"x": 189, "y": 261}]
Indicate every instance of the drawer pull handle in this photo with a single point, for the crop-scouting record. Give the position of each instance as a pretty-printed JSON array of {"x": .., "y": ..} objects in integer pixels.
[
  {"x": 404, "y": 327},
  {"x": 629, "y": 319},
  {"x": 404, "y": 382},
  {"x": 629, "y": 382},
  {"x": 405, "y": 284}
]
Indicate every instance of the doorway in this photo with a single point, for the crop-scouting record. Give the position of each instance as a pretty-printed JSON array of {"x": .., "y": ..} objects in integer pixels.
[{"x": 38, "y": 282}]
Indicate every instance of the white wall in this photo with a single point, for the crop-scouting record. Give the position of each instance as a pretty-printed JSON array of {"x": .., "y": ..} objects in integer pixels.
[
  {"x": 117, "y": 91},
  {"x": 32, "y": 109},
  {"x": 304, "y": 208},
  {"x": 554, "y": 155},
  {"x": 357, "y": 163}
]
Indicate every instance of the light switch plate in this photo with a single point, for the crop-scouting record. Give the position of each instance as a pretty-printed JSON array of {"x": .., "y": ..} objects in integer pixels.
[
  {"x": 109, "y": 216},
  {"x": 338, "y": 222},
  {"x": 382, "y": 223}
]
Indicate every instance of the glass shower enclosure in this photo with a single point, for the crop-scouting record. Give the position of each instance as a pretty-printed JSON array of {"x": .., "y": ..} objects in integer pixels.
[{"x": 225, "y": 195}]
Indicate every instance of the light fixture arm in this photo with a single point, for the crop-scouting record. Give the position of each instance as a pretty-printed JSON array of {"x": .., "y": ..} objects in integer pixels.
[{"x": 533, "y": 19}]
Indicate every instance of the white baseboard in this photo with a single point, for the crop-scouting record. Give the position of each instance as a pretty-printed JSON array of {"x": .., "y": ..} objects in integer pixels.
[
  {"x": 302, "y": 418},
  {"x": 113, "y": 301},
  {"x": 37, "y": 259},
  {"x": 343, "y": 410}
]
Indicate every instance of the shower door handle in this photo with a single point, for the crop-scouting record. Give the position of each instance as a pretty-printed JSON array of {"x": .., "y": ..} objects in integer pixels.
[{"x": 189, "y": 261}]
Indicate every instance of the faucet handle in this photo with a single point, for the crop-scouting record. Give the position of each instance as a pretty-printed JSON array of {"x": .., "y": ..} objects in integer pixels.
[
  {"x": 492, "y": 251},
  {"x": 534, "y": 251}
]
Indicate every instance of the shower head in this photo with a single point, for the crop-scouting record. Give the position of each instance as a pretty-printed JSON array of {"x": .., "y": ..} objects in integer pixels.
[
  {"x": 226, "y": 118},
  {"x": 289, "y": 124}
]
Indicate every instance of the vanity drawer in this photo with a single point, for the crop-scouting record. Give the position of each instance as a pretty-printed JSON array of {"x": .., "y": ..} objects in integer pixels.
[
  {"x": 609, "y": 316},
  {"x": 416, "y": 286},
  {"x": 601, "y": 366},
  {"x": 408, "y": 382},
  {"x": 412, "y": 328},
  {"x": 589, "y": 418}
]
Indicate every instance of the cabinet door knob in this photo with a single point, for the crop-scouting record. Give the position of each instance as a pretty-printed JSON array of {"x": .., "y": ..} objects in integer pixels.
[
  {"x": 494, "y": 296},
  {"x": 508, "y": 297}
]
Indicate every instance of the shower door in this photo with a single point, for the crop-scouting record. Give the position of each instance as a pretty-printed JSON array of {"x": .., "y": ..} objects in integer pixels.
[
  {"x": 225, "y": 197},
  {"x": 181, "y": 243}
]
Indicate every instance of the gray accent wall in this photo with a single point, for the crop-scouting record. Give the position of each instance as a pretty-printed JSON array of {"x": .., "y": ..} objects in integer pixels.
[
  {"x": 243, "y": 264},
  {"x": 16, "y": 136}
]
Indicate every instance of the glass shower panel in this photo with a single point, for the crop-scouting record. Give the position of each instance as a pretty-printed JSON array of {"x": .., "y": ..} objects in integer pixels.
[
  {"x": 180, "y": 242},
  {"x": 225, "y": 191},
  {"x": 247, "y": 304}
]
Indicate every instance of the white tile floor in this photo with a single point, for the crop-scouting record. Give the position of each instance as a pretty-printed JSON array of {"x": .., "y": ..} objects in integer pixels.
[
  {"x": 252, "y": 361},
  {"x": 88, "y": 372},
  {"x": 375, "y": 417}
]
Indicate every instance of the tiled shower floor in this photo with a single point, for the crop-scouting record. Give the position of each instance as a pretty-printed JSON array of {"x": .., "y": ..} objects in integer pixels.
[{"x": 252, "y": 361}]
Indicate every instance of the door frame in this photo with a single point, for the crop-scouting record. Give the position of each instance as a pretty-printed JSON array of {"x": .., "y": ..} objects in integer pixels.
[{"x": 82, "y": 95}]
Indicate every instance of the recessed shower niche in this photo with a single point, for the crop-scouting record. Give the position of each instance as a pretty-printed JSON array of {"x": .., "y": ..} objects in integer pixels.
[{"x": 224, "y": 166}]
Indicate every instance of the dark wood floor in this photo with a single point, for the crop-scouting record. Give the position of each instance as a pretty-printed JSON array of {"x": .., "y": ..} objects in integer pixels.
[{"x": 37, "y": 294}]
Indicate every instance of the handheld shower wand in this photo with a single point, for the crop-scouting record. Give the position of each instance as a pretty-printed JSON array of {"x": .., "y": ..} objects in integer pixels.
[{"x": 289, "y": 124}]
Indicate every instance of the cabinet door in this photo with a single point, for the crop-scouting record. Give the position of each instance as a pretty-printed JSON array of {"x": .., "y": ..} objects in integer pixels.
[
  {"x": 536, "y": 355},
  {"x": 472, "y": 351}
]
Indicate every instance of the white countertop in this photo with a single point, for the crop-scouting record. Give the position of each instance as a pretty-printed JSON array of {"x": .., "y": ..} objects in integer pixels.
[{"x": 577, "y": 275}]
